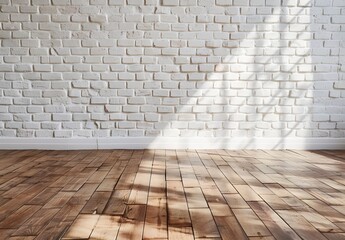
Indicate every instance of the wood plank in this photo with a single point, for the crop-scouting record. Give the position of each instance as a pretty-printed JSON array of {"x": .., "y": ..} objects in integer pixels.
[
  {"x": 19, "y": 217},
  {"x": 180, "y": 233},
  {"x": 262, "y": 177},
  {"x": 218, "y": 159},
  {"x": 216, "y": 202},
  {"x": 250, "y": 223},
  {"x": 195, "y": 198},
  {"x": 300, "y": 193},
  {"x": 188, "y": 177},
  {"x": 337, "y": 197},
  {"x": 3, "y": 200},
  {"x": 16, "y": 203},
  {"x": 156, "y": 219},
  {"x": 335, "y": 236},
  {"x": 106, "y": 228},
  {"x": 301, "y": 226},
  {"x": 207, "y": 160},
  {"x": 320, "y": 222},
  {"x": 173, "y": 174},
  {"x": 126, "y": 180},
  {"x": 341, "y": 226},
  {"x": 278, "y": 190},
  {"x": 82, "y": 227},
  {"x": 97, "y": 203},
  {"x": 74, "y": 184},
  {"x": 204, "y": 178},
  {"x": 327, "y": 198},
  {"x": 235, "y": 201},
  {"x": 325, "y": 210},
  {"x": 213, "y": 195},
  {"x": 178, "y": 214},
  {"x": 116, "y": 171},
  {"x": 295, "y": 203},
  {"x": 83, "y": 194},
  {"x": 15, "y": 191},
  {"x": 232, "y": 176},
  {"x": 117, "y": 203},
  {"x": 60, "y": 223},
  {"x": 107, "y": 185},
  {"x": 140, "y": 189},
  {"x": 340, "y": 208},
  {"x": 44, "y": 196},
  {"x": 22, "y": 238},
  {"x": 6, "y": 233},
  {"x": 222, "y": 183},
  {"x": 203, "y": 223},
  {"x": 39, "y": 220},
  {"x": 61, "y": 182},
  {"x": 157, "y": 184},
  {"x": 132, "y": 224},
  {"x": 59, "y": 200},
  {"x": 281, "y": 180},
  {"x": 229, "y": 228},
  {"x": 278, "y": 228},
  {"x": 262, "y": 238},
  {"x": 247, "y": 193},
  {"x": 275, "y": 202},
  {"x": 220, "y": 209}
]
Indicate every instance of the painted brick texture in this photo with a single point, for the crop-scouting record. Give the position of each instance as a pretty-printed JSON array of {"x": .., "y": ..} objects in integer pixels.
[{"x": 172, "y": 68}]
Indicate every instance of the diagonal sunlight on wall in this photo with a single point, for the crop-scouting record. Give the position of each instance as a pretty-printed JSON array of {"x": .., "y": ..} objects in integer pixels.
[
  {"x": 181, "y": 73},
  {"x": 261, "y": 79}
]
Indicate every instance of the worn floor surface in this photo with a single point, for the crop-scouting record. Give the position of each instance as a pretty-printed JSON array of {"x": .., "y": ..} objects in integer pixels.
[{"x": 168, "y": 194}]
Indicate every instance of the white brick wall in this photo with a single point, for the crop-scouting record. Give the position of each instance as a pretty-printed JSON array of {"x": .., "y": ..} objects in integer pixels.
[{"x": 180, "y": 68}]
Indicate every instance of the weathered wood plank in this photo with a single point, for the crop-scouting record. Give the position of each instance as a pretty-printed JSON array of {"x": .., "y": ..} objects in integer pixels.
[
  {"x": 251, "y": 224},
  {"x": 168, "y": 194},
  {"x": 132, "y": 224},
  {"x": 178, "y": 214},
  {"x": 156, "y": 219},
  {"x": 203, "y": 223}
]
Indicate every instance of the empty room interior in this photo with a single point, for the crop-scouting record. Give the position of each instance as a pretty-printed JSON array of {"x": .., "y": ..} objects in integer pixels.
[{"x": 172, "y": 119}]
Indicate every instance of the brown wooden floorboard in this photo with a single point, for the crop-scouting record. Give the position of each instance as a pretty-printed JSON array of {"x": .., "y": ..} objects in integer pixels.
[{"x": 172, "y": 194}]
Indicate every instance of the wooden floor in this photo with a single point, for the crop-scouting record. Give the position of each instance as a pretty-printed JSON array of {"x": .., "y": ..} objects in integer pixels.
[{"x": 168, "y": 194}]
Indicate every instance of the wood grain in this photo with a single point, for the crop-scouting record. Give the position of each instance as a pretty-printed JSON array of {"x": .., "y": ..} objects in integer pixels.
[
  {"x": 172, "y": 194},
  {"x": 203, "y": 223}
]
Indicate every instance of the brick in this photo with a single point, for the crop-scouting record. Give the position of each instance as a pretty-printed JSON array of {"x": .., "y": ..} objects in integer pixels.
[
  {"x": 338, "y": 3},
  {"x": 62, "y": 117},
  {"x": 338, "y": 19},
  {"x": 210, "y": 71},
  {"x": 170, "y": 2}
]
